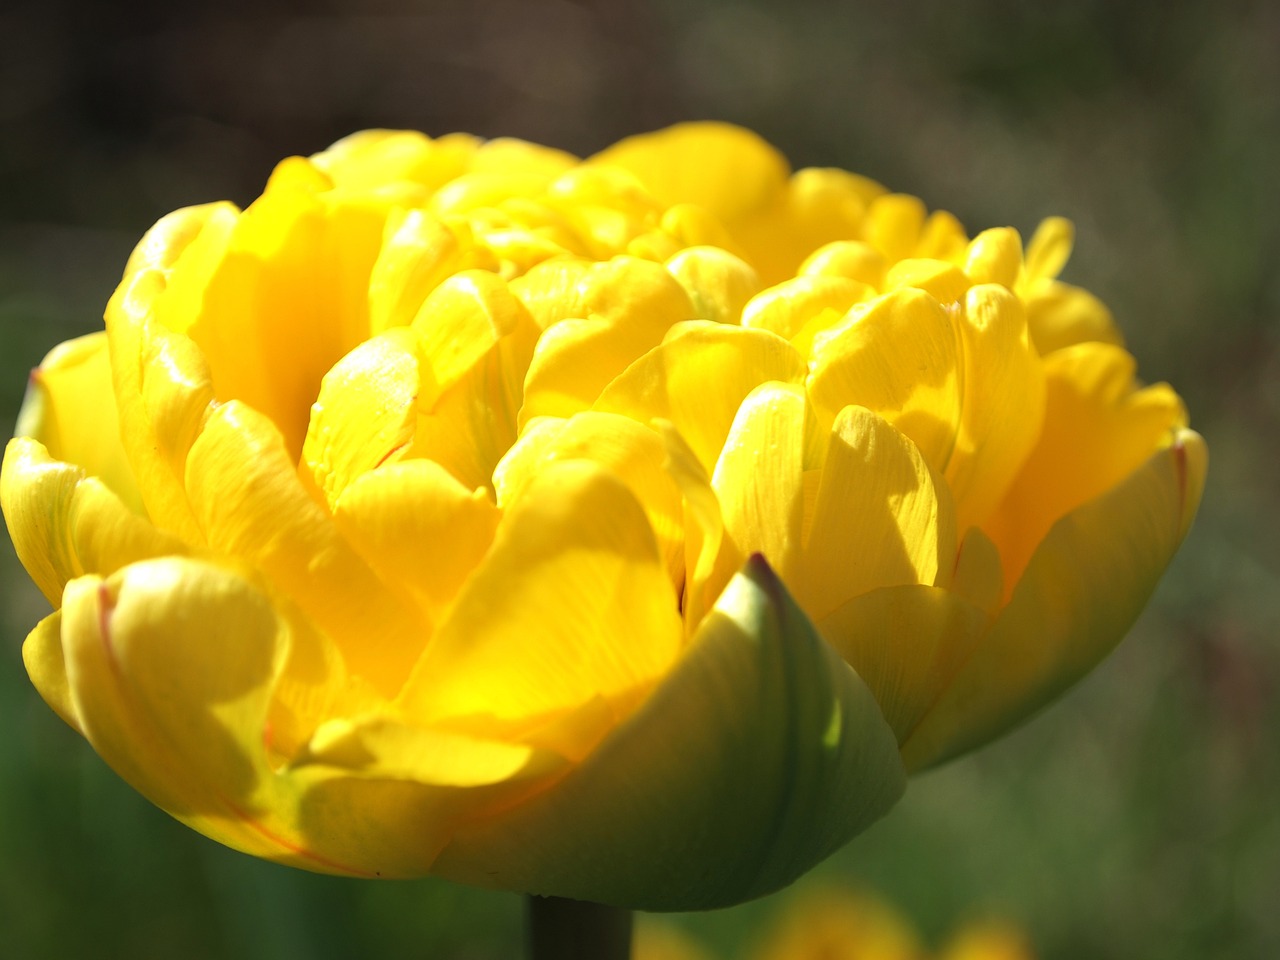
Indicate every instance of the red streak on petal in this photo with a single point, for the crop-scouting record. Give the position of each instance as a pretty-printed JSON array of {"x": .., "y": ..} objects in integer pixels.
[
  {"x": 105, "y": 608},
  {"x": 289, "y": 845},
  {"x": 391, "y": 453}
]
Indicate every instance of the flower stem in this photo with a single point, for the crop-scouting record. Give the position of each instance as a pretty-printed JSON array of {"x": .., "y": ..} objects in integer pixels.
[{"x": 560, "y": 929}]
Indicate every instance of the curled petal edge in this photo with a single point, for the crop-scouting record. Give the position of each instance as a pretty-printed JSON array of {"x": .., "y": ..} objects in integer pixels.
[
  {"x": 1083, "y": 589},
  {"x": 759, "y": 755}
]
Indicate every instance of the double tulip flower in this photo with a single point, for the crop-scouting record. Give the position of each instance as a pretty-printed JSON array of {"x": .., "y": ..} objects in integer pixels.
[{"x": 623, "y": 529}]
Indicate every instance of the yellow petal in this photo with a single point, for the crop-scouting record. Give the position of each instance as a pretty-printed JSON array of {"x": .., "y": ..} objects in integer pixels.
[
  {"x": 757, "y": 756},
  {"x": 600, "y": 317},
  {"x": 373, "y": 158},
  {"x": 289, "y": 279},
  {"x": 170, "y": 677},
  {"x": 70, "y": 407},
  {"x": 1098, "y": 428},
  {"x": 1086, "y": 584},
  {"x": 163, "y": 393},
  {"x": 171, "y": 666},
  {"x": 786, "y": 308},
  {"x": 1061, "y": 315},
  {"x": 252, "y": 505},
  {"x": 366, "y": 414},
  {"x": 42, "y": 656},
  {"x": 698, "y": 377},
  {"x": 419, "y": 252},
  {"x": 893, "y": 226},
  {"x": 1003, "y": 402},
  {"x": 907, "y": 643},
  {"x": 718, "y": 283},
  {"x": 846, "y": 258},
  {"x": 726, "y": 169},
  {"x": 818, "y": 206},
  {"x": 631, "y": 451},
  {"x": 838, "y": 924},
  {"x": 896, "y": 356},
  {"x": 473, "y": 423},
  {"x": 64, "y": 524},
  {"x": 416, "y": 526},
  {"x": 571, "y": 605},
  {"x": 759, "y": 478},
  {"x": 711, "y": 557},
  {"x": 995, "y": 256},
  {"x": 881, "y": 518},
  {"x": 1050, "y": 248},
  {"x": 945, "y": 282}
]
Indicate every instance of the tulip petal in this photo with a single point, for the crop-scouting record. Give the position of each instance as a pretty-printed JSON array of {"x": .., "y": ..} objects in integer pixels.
[
  {"x": 898, "y": 357},
  {"x": 632, "y": 451},
  {"x": 366, "y": 414},
  {"x": 417, "y": 526},
  {"x": 759, "y": 478},
  {"x": 64, "y": 524},
  {"x": 163, "y": 393},
  {"x": 171, "y": 666},
  {"x": 252, "y": 506},
  {"x": 1002, "y": 406},
  {"x": 597, "y": 318},
  {"x": 697, "y": 379},
  {"x": 42, "y": 656},
  {"x": 1098, "y": 428},
  {"x": 572, "y": 604},
  {"x": 718, "y": 283},
  {"x": 728, "y": 170},
  {"x": 1060, "y": 315},
  {"x": 1050, "y": 248},
  {"x": 70, "y": 407},
  {"x": 788, "y": 307},
  {"x": 757, "y": 756},
  {"x": 907, "y": 643},
  {"x": 1084, "y": 587},
  {"x": 881, "y": 517}
]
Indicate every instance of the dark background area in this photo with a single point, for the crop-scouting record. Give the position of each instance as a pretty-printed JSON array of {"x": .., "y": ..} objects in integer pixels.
[{"x": 1137, "y": 818}]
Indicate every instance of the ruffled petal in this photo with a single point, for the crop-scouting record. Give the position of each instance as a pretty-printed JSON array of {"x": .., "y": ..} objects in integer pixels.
[
  {"x": 252, "y": 506},
  {"x": 897, "y": 356},
  {"x": 633, "y": 452},
  {"x": 907, "y": 643},
  {"x": 757, "y": 756},
  {"x": 419, "y": 528},
  {"x": 881, "y": 518},
  {"x": 698, "y": 377},
  {"x": 1098, "y": 427},
  {"x": 759, "y": 478},
  {"x": 65, "y": 524},
  {"x": 571, "y": 606},
  {"x": 171, "y": 667},
  {"x": 598, "y": 318},
  {"x": 70, "y": 407},
  {"x": 730, "y": 171},
  {"x": 164, "y": 393},
  {"x": 1085, "y": 585},
  {"x": 366, "y": 414}
]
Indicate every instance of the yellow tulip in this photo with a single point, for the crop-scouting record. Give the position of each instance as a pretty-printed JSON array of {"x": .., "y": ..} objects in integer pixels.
[{"x": 621, "y": 529}]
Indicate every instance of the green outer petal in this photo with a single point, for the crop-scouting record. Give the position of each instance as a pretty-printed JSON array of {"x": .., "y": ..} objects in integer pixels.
[
  {"x": 1083, "y": 589},
  {"x": 759, "y": 755}
]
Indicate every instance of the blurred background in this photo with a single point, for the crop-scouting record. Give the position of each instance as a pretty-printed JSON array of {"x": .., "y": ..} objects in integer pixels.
[{"x": 1138, "y": 817}]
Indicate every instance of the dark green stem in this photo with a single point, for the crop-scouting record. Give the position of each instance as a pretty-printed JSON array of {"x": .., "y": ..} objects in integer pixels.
[{"x": 573, "y": 930}]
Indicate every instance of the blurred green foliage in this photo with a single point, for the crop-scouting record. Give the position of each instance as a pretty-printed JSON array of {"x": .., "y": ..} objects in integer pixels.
[{"x": 1137, "y": 818}]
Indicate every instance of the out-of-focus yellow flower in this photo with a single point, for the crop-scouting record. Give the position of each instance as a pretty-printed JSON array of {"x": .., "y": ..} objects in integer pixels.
[
  {"x": 839, "y": 924},
  {"x": 621, "y": 529}
]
